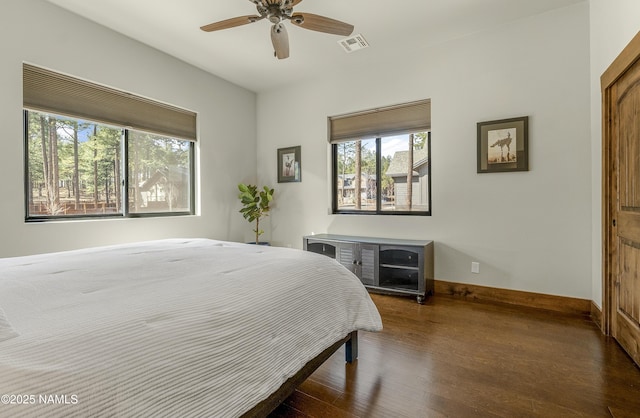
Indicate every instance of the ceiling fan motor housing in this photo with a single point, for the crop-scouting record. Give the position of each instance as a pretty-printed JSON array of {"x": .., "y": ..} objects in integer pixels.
[{"x": 276, "y": 11}]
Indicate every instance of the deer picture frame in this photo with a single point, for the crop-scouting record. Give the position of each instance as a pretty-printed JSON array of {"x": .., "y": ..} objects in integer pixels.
[{"x": 503, "y": 145}]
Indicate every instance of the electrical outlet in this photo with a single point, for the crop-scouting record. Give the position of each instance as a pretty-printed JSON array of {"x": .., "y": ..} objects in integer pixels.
[{"x": 475, "y": 267}]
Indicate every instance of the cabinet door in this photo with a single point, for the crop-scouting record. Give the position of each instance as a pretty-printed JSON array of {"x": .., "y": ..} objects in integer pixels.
[
  {"x": 400, "y": 256},
  {"x": 321, "y": 247},
  {"x": 346, "y": 255},
  {"x": 368, "y": 264},
  {"x": 360, "y": 259}
]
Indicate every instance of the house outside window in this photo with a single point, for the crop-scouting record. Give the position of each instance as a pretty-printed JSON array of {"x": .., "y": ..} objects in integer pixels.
[
  {"x": 382, "y": 174},
  {"x": 159, "y": 174}
]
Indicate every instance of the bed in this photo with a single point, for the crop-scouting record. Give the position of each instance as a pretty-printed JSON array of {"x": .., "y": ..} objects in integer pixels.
[{"x": 167, "y": 328}]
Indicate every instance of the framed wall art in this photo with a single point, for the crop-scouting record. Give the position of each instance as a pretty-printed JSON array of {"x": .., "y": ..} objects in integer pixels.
[
  {"x": 289, "y": 164},
  {"x": 503, "y": 145}
]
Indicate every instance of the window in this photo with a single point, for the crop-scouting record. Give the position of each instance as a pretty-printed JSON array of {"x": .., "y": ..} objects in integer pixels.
[
  {"x": 76, "y": 168},
  {"x": 382, "y": 161},
  {"x": 159, "y": 174},
  {"x": 93, "y": 151}
]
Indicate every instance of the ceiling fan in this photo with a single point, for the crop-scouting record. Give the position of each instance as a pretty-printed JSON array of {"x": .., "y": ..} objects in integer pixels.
[{"x": 277, "y": 11}]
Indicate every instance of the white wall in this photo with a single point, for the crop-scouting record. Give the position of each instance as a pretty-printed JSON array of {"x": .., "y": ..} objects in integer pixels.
[
  {"x": 613, "y": 24},
  {"x": 529, "y": 230},
  {"x": 36, "y": 32},
  {"x": 544, "y": 235}
]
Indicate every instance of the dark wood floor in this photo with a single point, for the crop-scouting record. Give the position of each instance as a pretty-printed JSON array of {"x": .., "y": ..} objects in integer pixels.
[{"x": 453, "y": 358}]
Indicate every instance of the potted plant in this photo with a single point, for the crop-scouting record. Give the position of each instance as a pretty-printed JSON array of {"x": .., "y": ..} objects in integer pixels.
[{"x": 255, "y": 204}]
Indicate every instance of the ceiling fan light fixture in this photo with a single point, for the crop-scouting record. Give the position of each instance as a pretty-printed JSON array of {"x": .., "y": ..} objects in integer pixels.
[{"x": 280, "y": 41}]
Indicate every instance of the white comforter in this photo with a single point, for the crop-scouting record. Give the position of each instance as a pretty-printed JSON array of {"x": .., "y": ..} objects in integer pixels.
[{"x": 173, "y": 328}]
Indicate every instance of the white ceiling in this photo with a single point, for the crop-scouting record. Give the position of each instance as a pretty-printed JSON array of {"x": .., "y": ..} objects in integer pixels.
[{"x": 244, "y": 55}]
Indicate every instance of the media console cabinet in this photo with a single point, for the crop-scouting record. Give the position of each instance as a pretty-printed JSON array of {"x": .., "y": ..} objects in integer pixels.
[{"x": 383, "y": 265}]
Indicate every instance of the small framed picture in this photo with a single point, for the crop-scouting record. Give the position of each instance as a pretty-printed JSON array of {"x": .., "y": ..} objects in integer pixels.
[
  {"x": 503, "y": 145},
  {"x": 289, "y": 165}
]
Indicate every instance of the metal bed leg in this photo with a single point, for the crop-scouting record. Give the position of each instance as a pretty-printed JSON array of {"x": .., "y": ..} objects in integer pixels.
[{"x": 351, "y": 347}]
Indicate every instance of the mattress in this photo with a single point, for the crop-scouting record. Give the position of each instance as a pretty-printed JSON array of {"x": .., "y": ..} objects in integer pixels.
[{"x": 167, "y": 328}]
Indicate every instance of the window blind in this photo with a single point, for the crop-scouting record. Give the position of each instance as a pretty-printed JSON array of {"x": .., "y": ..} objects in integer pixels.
[
  {"x": 48, "y": 91},
  {"x": 379, "y": 122}
]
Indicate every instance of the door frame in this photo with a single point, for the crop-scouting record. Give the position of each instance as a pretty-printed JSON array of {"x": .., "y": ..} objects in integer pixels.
[{"x": 629, "y": 55}]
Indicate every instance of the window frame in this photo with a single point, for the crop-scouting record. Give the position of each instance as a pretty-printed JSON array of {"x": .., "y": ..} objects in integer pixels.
[
  {"x": 124, "y": 184},
  {"x": 378, "y": 211},
  {"x": 125, "y": 194}
]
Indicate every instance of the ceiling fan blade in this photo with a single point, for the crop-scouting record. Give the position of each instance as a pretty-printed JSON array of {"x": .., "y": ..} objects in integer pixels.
[
  {"x": 295, "y": 3},
  {"x": 231, "y": 23},
  {"x": 321, "y": 24},
  {"x": 280, "y": 41}
]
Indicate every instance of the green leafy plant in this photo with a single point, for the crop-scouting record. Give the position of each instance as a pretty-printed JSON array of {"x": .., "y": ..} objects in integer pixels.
[{"x": 255, "y": 204}]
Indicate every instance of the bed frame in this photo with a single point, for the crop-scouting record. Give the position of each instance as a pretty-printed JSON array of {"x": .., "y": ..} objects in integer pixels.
[{"x": 264, "y": 408}]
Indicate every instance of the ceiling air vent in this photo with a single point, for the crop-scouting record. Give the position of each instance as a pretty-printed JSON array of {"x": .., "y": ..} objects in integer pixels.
[{"x": 353, "y": 43}]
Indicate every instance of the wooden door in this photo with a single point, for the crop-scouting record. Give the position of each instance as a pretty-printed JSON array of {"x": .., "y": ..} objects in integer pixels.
[{"x": 621, "y": 171}]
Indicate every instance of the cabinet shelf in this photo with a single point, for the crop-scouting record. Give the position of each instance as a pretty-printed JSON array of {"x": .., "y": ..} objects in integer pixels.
[
  {"x": 395, "y": 266},
  {"x": 382, "y": 264}
]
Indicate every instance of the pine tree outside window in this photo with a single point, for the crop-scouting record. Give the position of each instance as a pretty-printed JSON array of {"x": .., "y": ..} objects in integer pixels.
[{"x": 93, "y": 151}]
